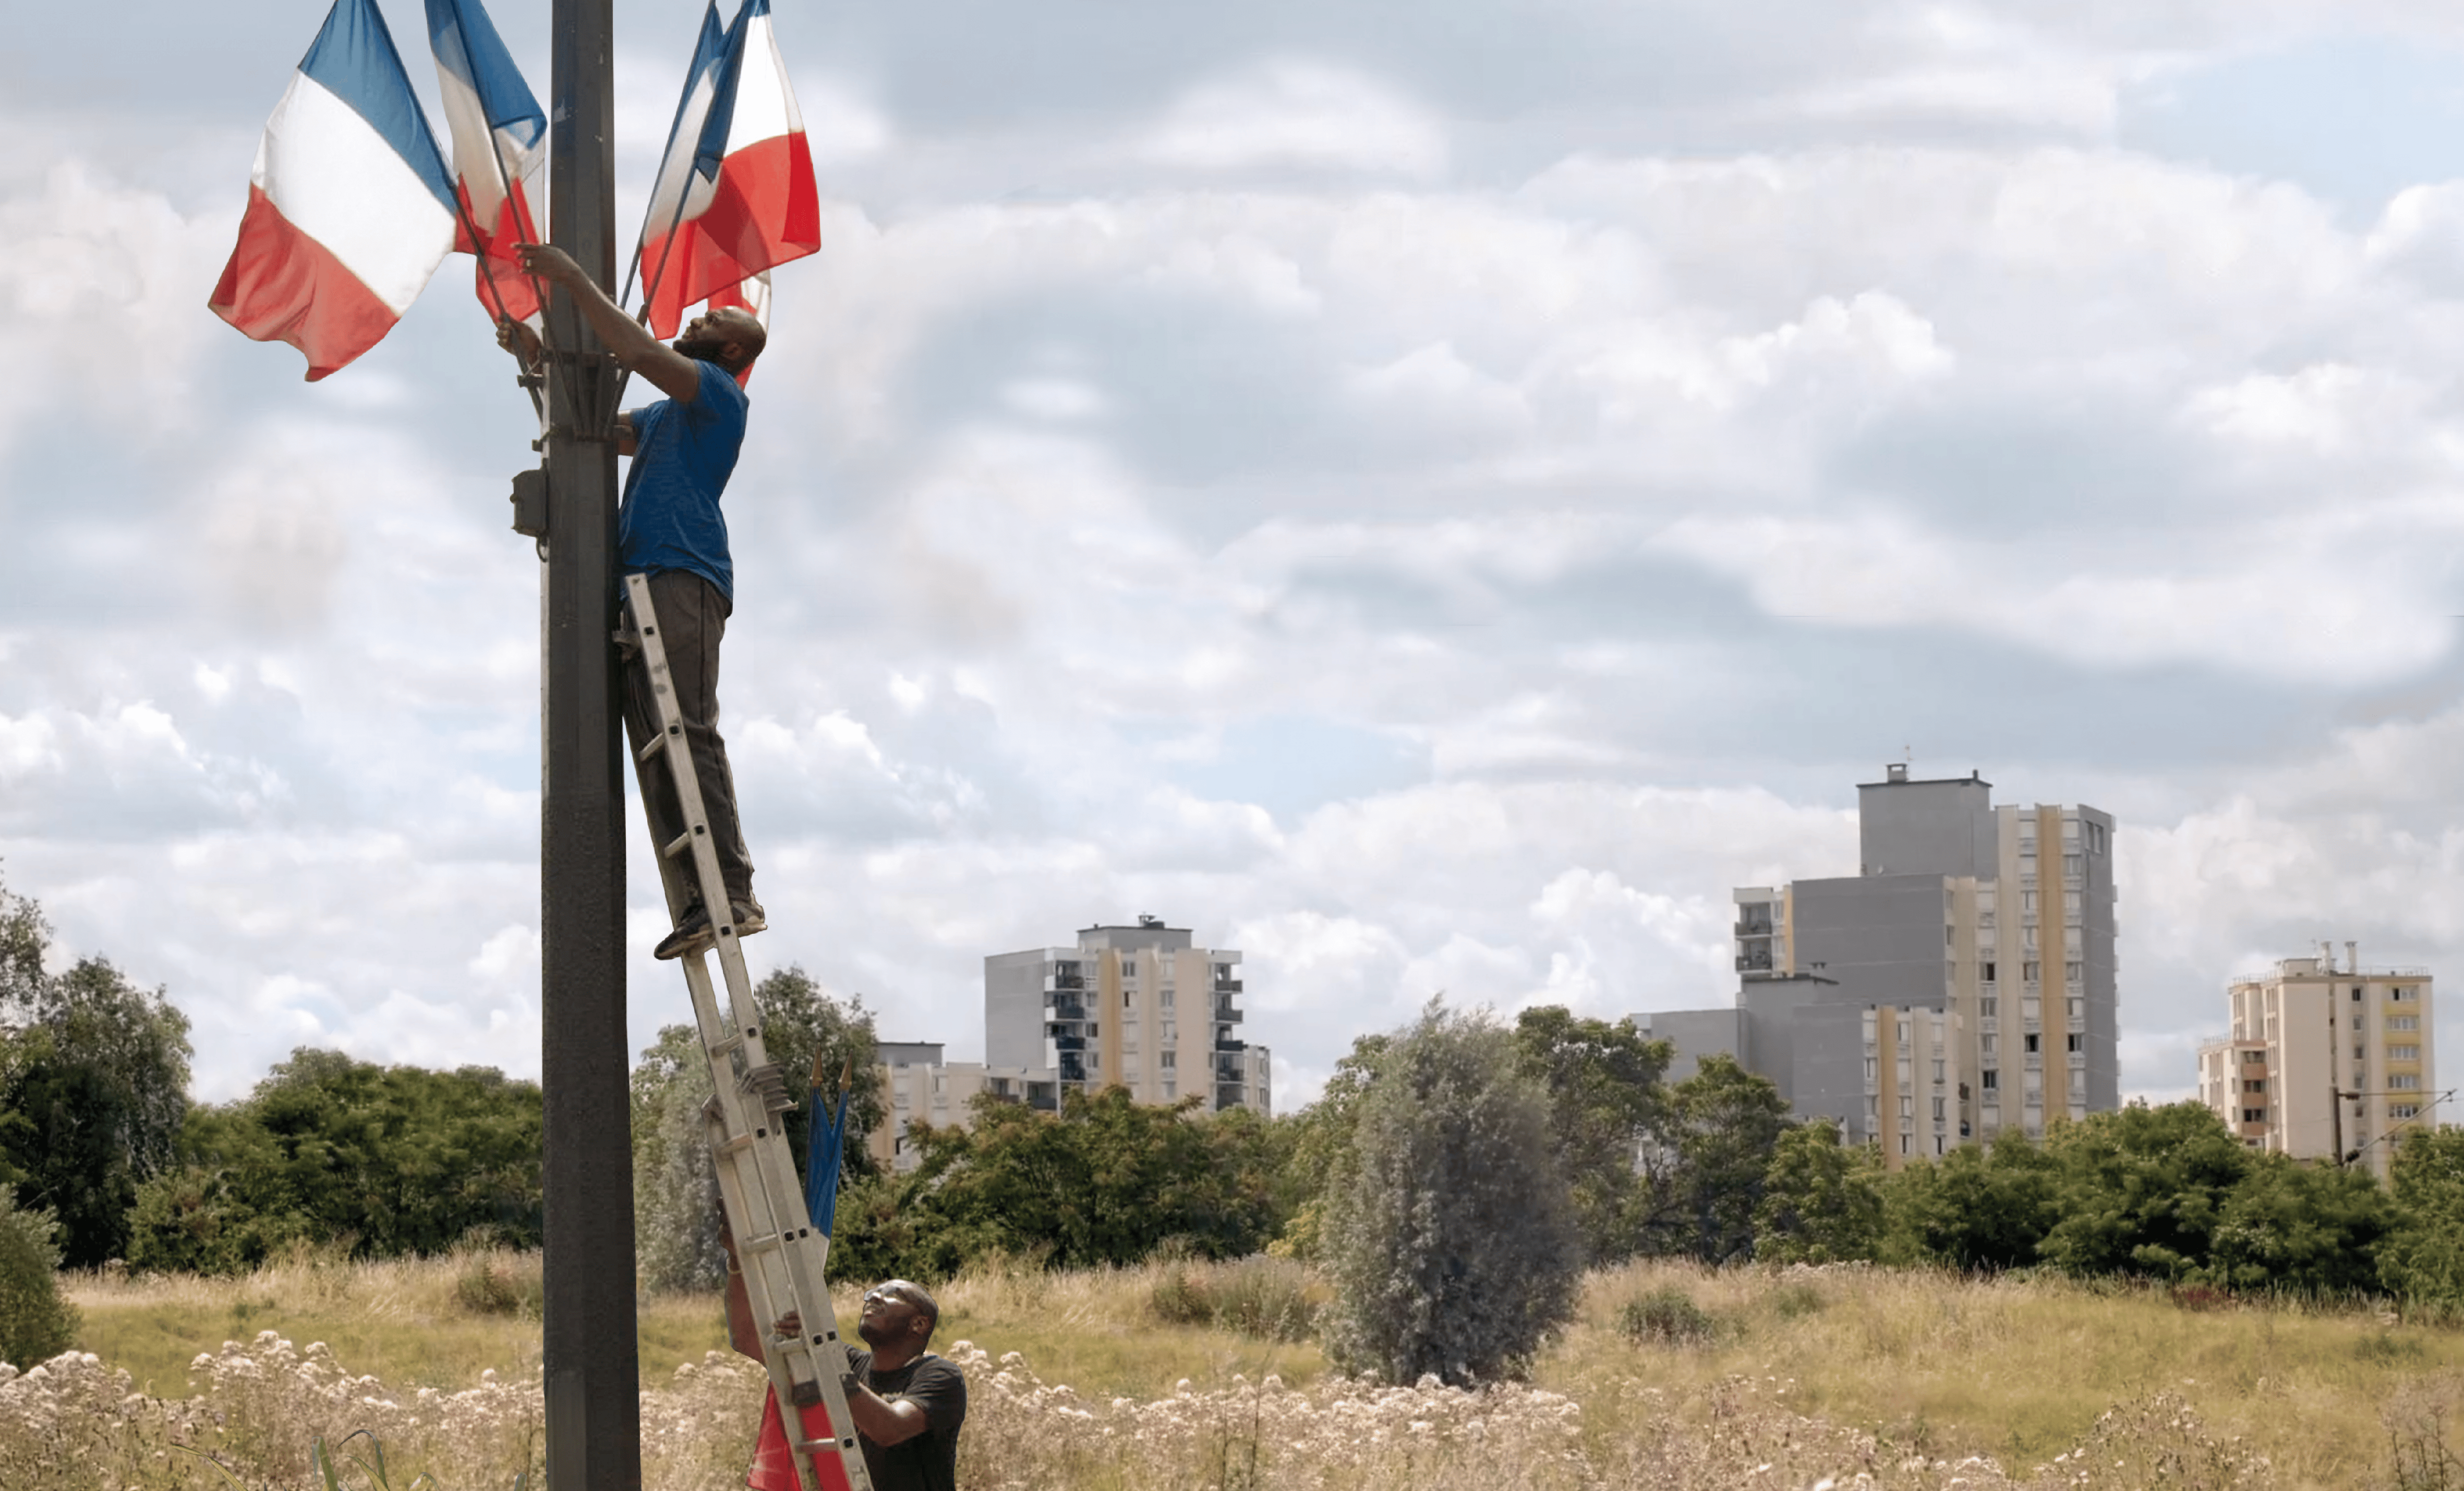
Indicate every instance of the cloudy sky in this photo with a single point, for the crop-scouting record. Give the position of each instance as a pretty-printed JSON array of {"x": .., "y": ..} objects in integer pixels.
[{"x": 1431, "y": 495}]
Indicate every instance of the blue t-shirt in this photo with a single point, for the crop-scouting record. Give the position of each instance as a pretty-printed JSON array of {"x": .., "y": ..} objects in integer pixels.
[{"x": 683, "y": 455}]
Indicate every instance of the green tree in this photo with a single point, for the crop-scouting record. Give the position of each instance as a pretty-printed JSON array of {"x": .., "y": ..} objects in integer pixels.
[
  {"x": 2422, "y": 1259},
  {"x": 1107, "y": 1181},
  {"x": 1705, "y": 1169},
  {"x": 1605, "y": 1096},
  {"x": 94, "y": 1084},
  {"x": 1976, "y": 1209},
  {"x": 394, "y": 1160},
  {"x": 675, "y": 1186},
  {"x": 2305, "y": 1229},
  {"x": 1454, "y": 1250},
  {"x": 1822, "y": 1199},
  {"x": 1317, "y": 1144},
  {"x": 36, "y": 1324},
  {"x": 2142, "y": 1191}
]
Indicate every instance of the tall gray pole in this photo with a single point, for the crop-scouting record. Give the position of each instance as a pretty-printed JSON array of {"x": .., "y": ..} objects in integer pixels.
[{"x": 594, "y": 1419}]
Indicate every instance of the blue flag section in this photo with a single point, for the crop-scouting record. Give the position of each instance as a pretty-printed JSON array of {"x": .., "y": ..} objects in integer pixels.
[{"x": 826, "y": 1144}]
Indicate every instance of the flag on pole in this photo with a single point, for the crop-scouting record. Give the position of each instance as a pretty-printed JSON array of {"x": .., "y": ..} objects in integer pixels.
[
  {"x": 349, "y": 207},
  {"x": 825, "y": 1142},
  {"x": 735, "y": 196},
  {"x": 499, "y": 137}
]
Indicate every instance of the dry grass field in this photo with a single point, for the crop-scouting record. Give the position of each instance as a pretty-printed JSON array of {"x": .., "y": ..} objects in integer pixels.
[{"x": 1672, "y": 1377}]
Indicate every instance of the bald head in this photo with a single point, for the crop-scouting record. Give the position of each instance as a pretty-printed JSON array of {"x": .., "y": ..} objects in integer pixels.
[{"x": 729, "y": 337}]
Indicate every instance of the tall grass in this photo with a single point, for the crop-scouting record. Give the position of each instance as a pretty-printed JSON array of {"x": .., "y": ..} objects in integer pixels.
[{"x": 1672, "y": 1377}]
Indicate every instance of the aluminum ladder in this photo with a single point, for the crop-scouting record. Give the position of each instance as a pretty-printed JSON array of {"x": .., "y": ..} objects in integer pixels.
[{"x": 782, "y": 1255}]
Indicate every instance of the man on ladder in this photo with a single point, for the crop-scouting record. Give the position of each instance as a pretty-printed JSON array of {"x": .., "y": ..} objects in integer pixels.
[{"x": 670, "y": 528}]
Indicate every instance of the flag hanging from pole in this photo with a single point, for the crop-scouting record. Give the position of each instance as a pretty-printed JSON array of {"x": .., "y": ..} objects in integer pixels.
[
  {"x": 499, "y": 137},
  {"x": 735, "y": 195},
  {"x": 349, "y": 207},
  {"x": 826, "y": 1143}
]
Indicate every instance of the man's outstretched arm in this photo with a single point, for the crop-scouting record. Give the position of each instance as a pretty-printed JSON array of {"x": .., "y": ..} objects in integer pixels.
[{"x": 629, "y": 340}]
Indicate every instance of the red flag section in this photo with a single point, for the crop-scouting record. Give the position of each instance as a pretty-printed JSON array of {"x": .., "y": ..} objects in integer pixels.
[{"x": 709, "y": 230}]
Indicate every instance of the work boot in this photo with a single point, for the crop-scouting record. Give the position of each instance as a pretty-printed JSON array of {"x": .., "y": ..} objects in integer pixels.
[
  {"x": 748, "y": 913},
  {"x": 693, "y": 934}
]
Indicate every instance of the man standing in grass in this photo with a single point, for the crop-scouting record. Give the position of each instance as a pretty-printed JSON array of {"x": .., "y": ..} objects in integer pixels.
[{"x": 907, "y": 1402}]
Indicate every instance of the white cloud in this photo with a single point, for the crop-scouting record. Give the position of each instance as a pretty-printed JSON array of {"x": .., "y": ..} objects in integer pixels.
[{"x": 1300, "y": 113}]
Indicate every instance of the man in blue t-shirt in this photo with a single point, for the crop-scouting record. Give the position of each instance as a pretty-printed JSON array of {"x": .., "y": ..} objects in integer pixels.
[{"x": 670, "y": 527}]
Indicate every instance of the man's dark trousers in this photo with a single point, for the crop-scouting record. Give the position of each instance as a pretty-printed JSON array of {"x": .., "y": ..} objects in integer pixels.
[{"x": 691, "y": 619}]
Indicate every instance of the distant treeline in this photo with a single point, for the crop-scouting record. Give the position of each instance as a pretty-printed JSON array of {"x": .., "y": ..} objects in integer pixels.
[{"x": 97, "y": 1130}]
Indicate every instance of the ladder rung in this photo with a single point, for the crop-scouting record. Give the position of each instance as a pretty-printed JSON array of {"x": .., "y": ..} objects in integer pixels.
[
  {"x": 823, "y": 1446},
  {"x": 650, "y": 747},
  {"x": 679, "y": 845}
]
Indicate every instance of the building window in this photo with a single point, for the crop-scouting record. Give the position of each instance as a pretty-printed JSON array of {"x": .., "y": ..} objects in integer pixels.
[
  {"x": 2253, "y": 1115},
  {"x": 1171, "y": 1059},
  {"x": 2405, "y": 995},
  {"x": 2254, "y": 1084},
  {"x": 1938, "y": 1114},
  {"x": 1167, "y": 996},
  {"x": 1984, "y": 1044},
  {"x": 1938, "y": 1077},
  {"x": 2403, "y": 1110},
  {"x": 2404, "y": 1053},
  {"x": 2403, "y": 1022},
  {"x": 2028, "y": 1043},
  {"x": 1988, "y": 1008},
  {"x": 2073, "y": 973},
  {"x": 1986, "y": 972},
  {"x": 1991, "y": 1080},
  {"x": 2253, "y": 1057},
  {"x": 2077, "y": 1042},
  {"x": 2071, "y": 865},
  {"x": 1872, "y": 1066},
  {"x": 2404, "y": 1081}
]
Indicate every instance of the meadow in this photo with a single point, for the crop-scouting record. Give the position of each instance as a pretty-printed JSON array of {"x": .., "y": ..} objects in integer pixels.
[{"x": 1197, "y": 1375}]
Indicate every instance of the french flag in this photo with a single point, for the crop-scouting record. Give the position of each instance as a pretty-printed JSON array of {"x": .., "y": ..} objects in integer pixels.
[
  {"x": 735, "y": 194},
  {"x": 349, "y": 207},
  {"x": 499, "y": 147}
]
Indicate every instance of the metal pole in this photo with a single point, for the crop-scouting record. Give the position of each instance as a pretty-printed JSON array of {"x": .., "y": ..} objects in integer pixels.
[{"x": 594, "y": 1422}]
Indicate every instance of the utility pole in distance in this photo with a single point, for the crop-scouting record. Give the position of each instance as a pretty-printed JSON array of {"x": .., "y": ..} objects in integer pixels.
[{"x": 594, "y": 1417}]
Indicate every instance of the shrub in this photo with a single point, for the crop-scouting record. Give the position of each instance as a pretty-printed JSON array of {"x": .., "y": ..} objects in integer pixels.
[
  {"x": 499, "y": 1283},
  {"x": 1263, "y": 1297},
  {"x": 1669, "y": 1316},
  {"x": 36, "y": 1324},
  {"x": 1453, "y": 1251}
]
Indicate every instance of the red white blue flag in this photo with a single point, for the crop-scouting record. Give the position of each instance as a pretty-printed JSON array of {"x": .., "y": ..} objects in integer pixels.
[
  {"x": 735, "y": 194},
  {"x": 499, "y": 137},
  {"x": 349, "y": 206}
]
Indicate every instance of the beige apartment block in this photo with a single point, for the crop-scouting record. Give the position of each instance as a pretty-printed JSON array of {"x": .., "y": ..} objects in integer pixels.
[
  {"x": 2000, "y": 918},
  {"x": 1919, "y": 1091},
  {"x": 2322, "y": 1060},
  {"x": 1139, "y": 1008},
  {"x": 918, "y": 1085}
]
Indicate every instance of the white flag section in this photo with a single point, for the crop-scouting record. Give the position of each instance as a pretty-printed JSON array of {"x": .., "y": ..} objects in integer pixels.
[{"x": 499, "y": 148}]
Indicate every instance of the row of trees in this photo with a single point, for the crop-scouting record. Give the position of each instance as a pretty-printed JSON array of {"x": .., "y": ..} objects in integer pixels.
[{"x": 1457, "y": 1150}]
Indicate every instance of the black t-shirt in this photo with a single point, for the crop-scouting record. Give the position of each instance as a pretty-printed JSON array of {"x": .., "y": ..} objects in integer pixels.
[{"x": 928, "y": 1461}]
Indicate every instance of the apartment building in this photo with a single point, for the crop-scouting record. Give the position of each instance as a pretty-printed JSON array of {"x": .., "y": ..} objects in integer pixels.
[
  {"x": 2321, "y": 1061},
  {"x": 1996, "y": 921},
  {"x": 1138, "y": 1007}
]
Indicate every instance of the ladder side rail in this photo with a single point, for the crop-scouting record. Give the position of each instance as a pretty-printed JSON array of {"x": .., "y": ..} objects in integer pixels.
[
  {"x": 763, "y": 1282},
  {"x": 784, "y": 1269},
  {"x": 677, "y": 757},
  {"x": 676, "y": 881}
]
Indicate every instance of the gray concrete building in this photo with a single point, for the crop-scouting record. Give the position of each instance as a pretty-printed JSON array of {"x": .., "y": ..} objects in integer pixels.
[{"x": 1976, "y": 941}]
